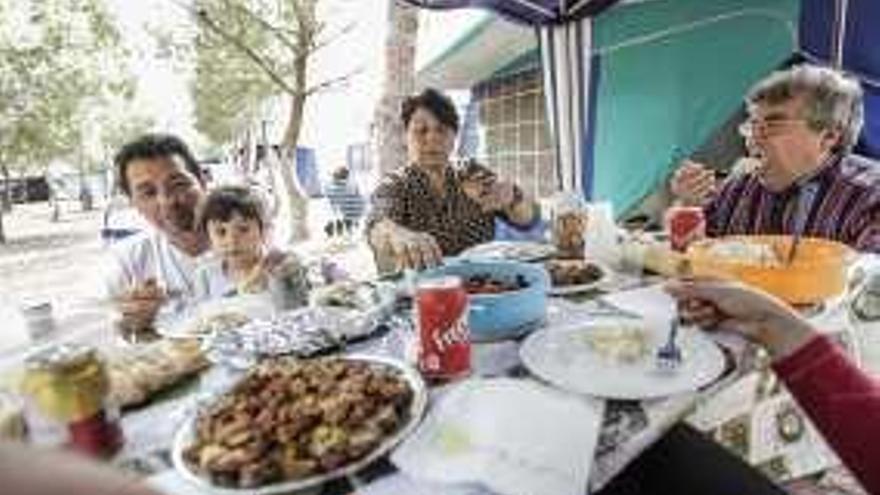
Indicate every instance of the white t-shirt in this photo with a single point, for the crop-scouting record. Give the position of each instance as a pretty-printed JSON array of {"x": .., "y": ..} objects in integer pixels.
[
  {"x": 151, "y": 255},
  {"x": 211, "y": 279}
]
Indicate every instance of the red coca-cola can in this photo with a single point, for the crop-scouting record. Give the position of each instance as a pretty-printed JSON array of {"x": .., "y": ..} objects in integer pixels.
[
  {"x": 444, "y": 336},
  {"x": 685, "y": 224}
]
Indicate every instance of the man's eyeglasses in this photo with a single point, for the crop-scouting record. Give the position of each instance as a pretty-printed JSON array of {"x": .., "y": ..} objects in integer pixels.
[{"x": 752, "y": 126}]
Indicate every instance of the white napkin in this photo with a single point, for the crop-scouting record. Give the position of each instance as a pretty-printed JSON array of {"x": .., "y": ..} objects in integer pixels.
[
  {"x": 516, "y": 437},
  {"x": 399, "y": 483},
  {"x": 651, "y": 302}
]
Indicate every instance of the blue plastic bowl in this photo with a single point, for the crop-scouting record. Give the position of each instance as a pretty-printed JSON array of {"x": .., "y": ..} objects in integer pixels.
[{"x": 508, "y": 314}]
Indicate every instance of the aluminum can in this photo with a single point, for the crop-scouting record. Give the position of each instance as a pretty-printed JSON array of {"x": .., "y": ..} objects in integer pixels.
[
  {"x": 444, "y": 336},
  {"x": 685, "y": 224}
]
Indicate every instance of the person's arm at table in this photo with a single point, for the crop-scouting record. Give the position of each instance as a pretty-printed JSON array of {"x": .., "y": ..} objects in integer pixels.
[
  {"x": 841, "y": 400},
  {"x": 137, "y": 301},
  {"x": 24, "y": 471},
  {"x": 395, "y": 246},
  {"x": 865, "y": 229},
  {"x": 502, "y": 198},
  {"x": 693, "y": 184}
]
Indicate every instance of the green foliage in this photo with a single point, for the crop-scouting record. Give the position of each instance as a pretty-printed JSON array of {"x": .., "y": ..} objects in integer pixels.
[
  {"x": 246, "y": 51},
  {"x": 227, "y": 88},
  {"x": 62, "y": 61}
]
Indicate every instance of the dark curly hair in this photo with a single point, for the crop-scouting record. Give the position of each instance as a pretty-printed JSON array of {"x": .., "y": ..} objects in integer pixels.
[
  {"x": 222, "y": 202},
  {"x": 434, "y": 101},
  {"x": 152, "y": 146}
]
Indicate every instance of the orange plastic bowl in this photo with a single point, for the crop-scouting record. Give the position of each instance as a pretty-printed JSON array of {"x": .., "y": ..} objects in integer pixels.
[{"x": 817, "y": 273}]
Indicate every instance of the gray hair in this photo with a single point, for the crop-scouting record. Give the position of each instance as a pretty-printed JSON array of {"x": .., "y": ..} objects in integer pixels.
[{"x": 833, "y": 100}]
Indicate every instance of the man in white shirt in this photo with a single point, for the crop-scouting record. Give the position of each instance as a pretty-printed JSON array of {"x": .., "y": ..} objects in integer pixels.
[{"x": 164, "y": 183}]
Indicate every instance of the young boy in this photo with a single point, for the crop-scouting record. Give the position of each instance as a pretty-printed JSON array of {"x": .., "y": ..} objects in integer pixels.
[{"x": 235, "y": 222}]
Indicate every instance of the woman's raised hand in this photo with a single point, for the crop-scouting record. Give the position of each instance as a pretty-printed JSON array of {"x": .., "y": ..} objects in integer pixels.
[{"x": 737, "y": 308}]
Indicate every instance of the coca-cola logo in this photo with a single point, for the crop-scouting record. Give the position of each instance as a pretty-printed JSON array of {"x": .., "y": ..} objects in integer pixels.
[{"x": 456, "y": 333}]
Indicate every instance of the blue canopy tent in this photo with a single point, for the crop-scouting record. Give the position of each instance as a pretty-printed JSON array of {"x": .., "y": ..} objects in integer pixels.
[
  {"x": 844, "y": 34},
  {"x": 633, "y": 88}
]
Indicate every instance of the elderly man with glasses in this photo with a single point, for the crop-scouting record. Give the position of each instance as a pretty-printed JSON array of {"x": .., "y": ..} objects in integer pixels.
[{"x": 802, "y": 126}]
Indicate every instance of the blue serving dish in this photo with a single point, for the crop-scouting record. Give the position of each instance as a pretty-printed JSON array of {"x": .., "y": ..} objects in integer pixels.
[{"x": 508, "y": 314}]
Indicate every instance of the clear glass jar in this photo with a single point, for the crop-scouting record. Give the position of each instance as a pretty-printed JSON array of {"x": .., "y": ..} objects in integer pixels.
[{"x": 66, "y": 389}]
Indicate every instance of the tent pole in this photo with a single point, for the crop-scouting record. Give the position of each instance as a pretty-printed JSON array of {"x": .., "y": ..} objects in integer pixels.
[{"x": 839, "y": 33}]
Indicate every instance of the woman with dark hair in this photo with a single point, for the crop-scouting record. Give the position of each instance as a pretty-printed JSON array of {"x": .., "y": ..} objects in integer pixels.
[{"x": 431, "y": 209}]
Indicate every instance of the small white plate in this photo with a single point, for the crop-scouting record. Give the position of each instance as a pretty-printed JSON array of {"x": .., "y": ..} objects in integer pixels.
[
  {"x": 187, "y": 325},
  {"x": 564, "y": 358}
]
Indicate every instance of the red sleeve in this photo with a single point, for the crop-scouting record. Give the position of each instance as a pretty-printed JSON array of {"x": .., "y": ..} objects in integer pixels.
[{"x": 842, "y": 401}]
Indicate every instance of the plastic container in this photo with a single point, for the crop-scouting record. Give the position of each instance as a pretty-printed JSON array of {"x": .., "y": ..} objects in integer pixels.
[
  {"x": 818, "y": 272},
  {"x": 507, "y": 314}
]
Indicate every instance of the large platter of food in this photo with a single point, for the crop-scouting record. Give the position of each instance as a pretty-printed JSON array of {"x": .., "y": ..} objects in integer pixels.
[{"x": 292, "y": 424}]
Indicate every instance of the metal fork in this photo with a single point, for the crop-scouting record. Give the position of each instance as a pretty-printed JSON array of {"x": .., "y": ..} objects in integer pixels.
[
  {"x": 806, "y": 197},
  {"x": 668, "y": 356}
]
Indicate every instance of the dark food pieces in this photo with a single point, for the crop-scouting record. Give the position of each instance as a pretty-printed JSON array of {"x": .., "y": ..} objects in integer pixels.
[
  {"x": 485, "y": 284},
  {"x": 289, "y": 420},
  {"x": 573, "y": 272}
]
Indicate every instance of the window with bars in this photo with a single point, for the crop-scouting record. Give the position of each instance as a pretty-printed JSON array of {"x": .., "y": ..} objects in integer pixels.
[{"x": 511, "y": 131}]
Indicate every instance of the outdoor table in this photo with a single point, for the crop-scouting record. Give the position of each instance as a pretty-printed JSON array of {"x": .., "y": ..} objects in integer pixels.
[
  {"x": 628, "y": 429},
  {"x": 629, "y": 426}
]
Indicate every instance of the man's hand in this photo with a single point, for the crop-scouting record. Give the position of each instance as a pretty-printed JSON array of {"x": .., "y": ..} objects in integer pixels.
[
  {"x": 140, "y": 305},
  {"x": 693, "y": 184},
  {"x": 737, "y": 308}
]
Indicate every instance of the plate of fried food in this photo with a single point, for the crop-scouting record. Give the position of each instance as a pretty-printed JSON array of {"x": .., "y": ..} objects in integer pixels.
[
  {"x": 574, "y": 276},
  {"x": 615, "y": 358},
  {"x": 292, "y": 424}
]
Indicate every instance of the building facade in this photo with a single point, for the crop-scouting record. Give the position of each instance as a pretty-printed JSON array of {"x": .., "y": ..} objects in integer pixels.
[{"x": 493, "y": 70}]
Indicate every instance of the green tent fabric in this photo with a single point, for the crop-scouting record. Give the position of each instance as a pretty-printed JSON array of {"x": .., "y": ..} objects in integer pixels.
[{"x": 669, "y": 73}]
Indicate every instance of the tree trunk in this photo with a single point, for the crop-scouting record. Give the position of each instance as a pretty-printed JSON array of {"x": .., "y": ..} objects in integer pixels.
[
  {"x": 294, "y": 203},
  {"x": 400, "y": 50},
  {"x": 85, "y": 192},
  {"x": 2, "y": 230},
  {"x": 56, "y": 206},
  {"x": 7, "y": 189}
]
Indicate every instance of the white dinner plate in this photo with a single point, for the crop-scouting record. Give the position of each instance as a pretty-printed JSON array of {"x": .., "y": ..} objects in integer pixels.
[
  {"x": 563, "y": 357},
  {"x": 510, "y": 250}
]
